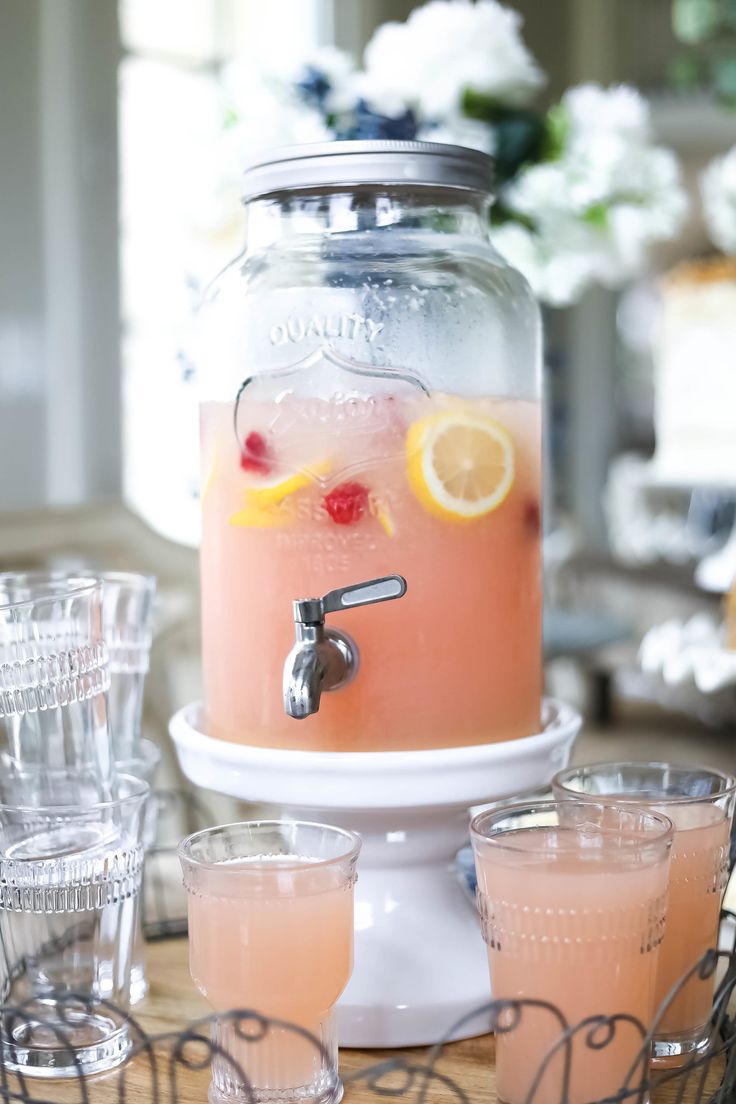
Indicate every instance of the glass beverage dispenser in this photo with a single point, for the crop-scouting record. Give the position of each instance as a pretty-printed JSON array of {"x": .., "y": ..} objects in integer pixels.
[{"x": 371, "y": 375}]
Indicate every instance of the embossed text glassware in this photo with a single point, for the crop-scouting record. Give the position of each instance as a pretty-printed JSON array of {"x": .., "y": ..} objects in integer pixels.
[
  {"x": 700, "y": 804},
  {"x": 54, "y": 735},
  {"x": 370, "y": 374},
  {"x": 572, "y": 900},
  {"x": 69, "y": 885},
  {"x": 271, "y": 932}
]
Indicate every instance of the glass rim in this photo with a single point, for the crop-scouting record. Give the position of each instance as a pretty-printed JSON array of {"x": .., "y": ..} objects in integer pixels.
[
  {"x": 69, "y": 586},
  {"x": 185, "y": 846},
  {"x": 660, "y": 820},
  {"x": 146, "y": 578},
  {"x": 149, "y": 752},
  {"x": 728, "y": 789},
  {"x": 139, "y": 791}
]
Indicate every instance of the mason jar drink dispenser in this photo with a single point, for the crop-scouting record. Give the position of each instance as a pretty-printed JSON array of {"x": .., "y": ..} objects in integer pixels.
[{"x": 370, "y": 460}]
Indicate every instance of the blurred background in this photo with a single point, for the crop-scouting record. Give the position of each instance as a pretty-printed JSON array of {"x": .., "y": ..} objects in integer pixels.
[{"x": 117, "y": 205}]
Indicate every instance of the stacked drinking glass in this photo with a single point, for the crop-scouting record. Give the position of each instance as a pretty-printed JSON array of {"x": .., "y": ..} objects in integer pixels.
[{"x": 74, "y": 817}]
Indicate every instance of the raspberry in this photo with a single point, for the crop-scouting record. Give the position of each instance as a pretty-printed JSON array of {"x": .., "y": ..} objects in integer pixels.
[
  {"x": 346, "y": 503},
  {"x": 255, "y": 455},
  {"x": 532, "y": 517}
]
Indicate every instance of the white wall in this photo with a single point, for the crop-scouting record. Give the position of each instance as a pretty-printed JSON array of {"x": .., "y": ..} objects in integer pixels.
[{"x": 59, "y": 328}]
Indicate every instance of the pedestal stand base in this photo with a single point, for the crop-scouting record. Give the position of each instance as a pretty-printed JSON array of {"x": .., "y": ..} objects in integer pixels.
[{"x": 420, "y": 962}]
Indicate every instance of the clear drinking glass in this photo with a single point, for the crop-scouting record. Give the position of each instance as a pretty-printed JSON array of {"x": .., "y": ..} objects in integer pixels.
[
  {"x": 127, "y": 621},
  {"x": 144, "y": 766},
  {"x": 69, "y": 886},
  {"x": 53, "y": 678},
  {"x": 572, "y": 899},
  {"x": 271, "y": 931},
  {"x": 700, "y": 804}
]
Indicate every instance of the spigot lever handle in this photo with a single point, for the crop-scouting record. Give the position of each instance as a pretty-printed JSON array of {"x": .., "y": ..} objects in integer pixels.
[
  {"x": 365, "y": 594},
  {"x": 312, "y": 611}
]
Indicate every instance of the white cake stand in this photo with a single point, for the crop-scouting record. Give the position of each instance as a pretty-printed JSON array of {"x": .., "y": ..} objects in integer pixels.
[{"x": 420, "y": 963}]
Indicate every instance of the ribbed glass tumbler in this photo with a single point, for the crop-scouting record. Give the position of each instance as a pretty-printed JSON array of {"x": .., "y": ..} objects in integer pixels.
[
  {"x": 572, "y": 899},
  {"x": 270, "y": 908},
  {"x": 54, "y": 737},
  {"x": 700, "y": 803},
  {"x": 69, "y": 886},
  {"x": 127, "y": 622}
]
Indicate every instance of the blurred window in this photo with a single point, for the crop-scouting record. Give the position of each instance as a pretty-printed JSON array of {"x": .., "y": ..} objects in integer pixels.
[{"x": 179, "y": 223}]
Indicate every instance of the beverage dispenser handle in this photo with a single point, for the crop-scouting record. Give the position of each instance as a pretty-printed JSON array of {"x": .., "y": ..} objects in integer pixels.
[
  {"x": 312, "y": 611},
  {"x": 365, "y": 594}
]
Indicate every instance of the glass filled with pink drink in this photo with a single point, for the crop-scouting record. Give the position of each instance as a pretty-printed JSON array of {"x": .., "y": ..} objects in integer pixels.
[
  {"x": 572, "y": 900},
  {"x": 700, "y": 804},
  {"x": 271, "y": 943}
]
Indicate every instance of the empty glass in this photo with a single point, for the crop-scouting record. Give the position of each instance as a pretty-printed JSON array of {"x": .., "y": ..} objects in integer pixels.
[
  {"x": 144, "y": 766},
  {"x": 271, "y": 932},
  {"x": 572, "y": 898},
  {"x": 700, "y": 804},
  {"x": 127, "y": 621},
  {"x": 53, "y": 678},
  {"x": 69, "y": 886}
]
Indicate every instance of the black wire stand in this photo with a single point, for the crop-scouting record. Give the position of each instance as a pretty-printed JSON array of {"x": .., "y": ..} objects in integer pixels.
[{"x": 157, "y": 1062}]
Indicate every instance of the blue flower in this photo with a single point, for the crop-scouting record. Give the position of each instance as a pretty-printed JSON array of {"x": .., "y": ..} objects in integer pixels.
[
  {"x": 366, "y": 124},
  {"x": 314, "y": 86}
]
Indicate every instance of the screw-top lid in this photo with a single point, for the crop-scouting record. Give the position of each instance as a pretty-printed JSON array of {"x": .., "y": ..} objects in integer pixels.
[{"x": 325, "y": 164}]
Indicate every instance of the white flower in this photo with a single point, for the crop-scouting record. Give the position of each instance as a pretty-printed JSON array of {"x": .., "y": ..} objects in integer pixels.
[
  {"x": 608, "y": 197},
  {"x": 384, "y": 99},
  {"x": 448, "y": 46},
  {"x": 718, "y": 189},
  {"x": 556, "y": 270},
  {"x": 618, "y": 110},
  {"x": 269, "y": 121},
  {"x": 460, "y": 131}
]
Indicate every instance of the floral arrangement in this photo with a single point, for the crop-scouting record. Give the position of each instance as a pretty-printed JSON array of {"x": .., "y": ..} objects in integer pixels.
[
  {"x": 581, "y": 190},
  {"x": 718, "y": 190}
]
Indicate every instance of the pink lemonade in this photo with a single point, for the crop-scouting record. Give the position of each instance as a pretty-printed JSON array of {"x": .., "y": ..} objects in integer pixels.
[
  {"x": 697, "y": 880},
  {"x": 582, "y": 936},
  {"x": 278, "y": 941},
  {"x": 310, "y": 496}
]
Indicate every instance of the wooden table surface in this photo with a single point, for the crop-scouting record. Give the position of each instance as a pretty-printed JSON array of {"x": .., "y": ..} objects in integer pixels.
[{"x": 465, "y": 1070}]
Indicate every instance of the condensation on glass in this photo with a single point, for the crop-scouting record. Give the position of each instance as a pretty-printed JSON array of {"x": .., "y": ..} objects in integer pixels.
[{"x": 371, "y": 406}]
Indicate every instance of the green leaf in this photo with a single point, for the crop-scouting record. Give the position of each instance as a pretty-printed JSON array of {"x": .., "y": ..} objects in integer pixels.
[
  {"x": 686, "y": 71},
  {"x": 694, "y": 20},
  {"x": 478, "y": 105},
  {"x": 558, "y": 129},
  {"x": 597, "y": 215},
  {"x": 520, "y": 139},
  {"x": 231, "y": 118},
  {"x": 724, "y": 79}
]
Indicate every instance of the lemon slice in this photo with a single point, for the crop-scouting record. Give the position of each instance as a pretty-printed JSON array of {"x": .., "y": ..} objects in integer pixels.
[
  {"x": 460, "y": 464},
  {"x": 273, "y": 493}
]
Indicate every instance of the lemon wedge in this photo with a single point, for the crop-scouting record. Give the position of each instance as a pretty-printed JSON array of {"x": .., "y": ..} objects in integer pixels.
[
  {"x": 460, "y": 464},
  {"x": 383, "y": 515},
  {"x": 253, "y": 517},
  {"x": 272, "y": 493},
  {"x": 208, "y": 477}
]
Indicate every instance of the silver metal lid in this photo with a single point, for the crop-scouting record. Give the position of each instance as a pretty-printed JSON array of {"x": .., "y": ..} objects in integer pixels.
[{"x": 325, "y": 164}]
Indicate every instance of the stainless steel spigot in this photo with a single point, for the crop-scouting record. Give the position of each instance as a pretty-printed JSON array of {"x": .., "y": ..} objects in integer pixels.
[{"x": 327, "y": 659}]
